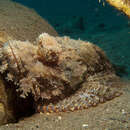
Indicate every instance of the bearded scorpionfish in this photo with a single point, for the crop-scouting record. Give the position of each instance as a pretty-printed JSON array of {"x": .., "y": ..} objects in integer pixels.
[{"x": 62, "y": 74}]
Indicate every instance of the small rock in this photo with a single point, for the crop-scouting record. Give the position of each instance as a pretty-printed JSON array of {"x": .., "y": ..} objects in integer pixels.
[
  {"x": 123, "y": 111},
  {"x": 85, "y": 125},
  {"x": 59, "y": 118}
]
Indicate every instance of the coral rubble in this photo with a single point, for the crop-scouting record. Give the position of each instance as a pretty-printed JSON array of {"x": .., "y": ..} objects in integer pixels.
[{"x": 61, "y": 73}]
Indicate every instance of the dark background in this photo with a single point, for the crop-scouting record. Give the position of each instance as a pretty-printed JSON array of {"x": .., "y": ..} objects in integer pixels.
[
  {"x": 61, "y": 7},
  {"x": 61, "y": 11}
]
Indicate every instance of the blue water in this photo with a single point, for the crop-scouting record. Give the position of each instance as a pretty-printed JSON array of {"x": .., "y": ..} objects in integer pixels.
[{"x": 89, "y": 20}]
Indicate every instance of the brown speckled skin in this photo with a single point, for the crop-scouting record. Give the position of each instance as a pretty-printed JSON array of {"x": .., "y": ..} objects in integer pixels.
[{"x": 62, "y": 74}]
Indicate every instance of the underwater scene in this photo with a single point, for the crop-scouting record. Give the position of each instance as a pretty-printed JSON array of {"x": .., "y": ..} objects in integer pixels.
[{"x": 65, "y": 64}]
